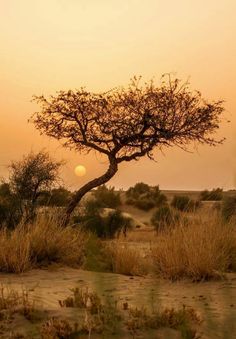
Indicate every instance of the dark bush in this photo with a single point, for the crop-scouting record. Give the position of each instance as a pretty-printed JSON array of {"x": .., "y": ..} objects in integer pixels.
[
  {"x": 229, "y": 208},
  {"x": 138, "y": 189},
  {"x": 10, "y": 207},
  {"x": 164, "y": 218},
  {"x": 107, "y": 197},
  {"x": 105, "y": 226},
  {"x": 184, "y": 203},
  {"x": 216, "y": 194},
  {"x": 145, "y": 197},
  {"x": 144, "y": 204},
  {"x": 103, "y": 223},
  {"x": 56, "y": 197}
]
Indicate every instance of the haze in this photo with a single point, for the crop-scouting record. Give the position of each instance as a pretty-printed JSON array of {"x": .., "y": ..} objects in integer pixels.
[{"x": 60, "y": 44}]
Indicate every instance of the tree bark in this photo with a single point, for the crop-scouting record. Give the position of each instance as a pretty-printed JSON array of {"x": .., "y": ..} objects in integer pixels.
[{"x": 113, "y": 167}]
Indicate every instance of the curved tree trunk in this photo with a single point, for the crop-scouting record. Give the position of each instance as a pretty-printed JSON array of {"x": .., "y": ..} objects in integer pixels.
[{"x": 113, "y": 167}]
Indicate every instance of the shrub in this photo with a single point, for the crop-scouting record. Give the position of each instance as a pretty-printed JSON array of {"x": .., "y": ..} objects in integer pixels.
[
  {"x": 184, "y": 203},
  {"x": 125, "y": 260},
  {"x": 105, "y": 225},
  {"x": 107, "y": 197},
  {"x": 56, "y": 197},
  {"x": 164, "y": 218},
  {"x": 40, "y": 243},
  {"x": 215, "y": 194},
  {"x": 145, "y": 197},
  {"x": 229, "y": 208},
  {"x": 144, "y": 204},
  {"x": 10, "y": 207},
  {"x": 201, "y": 250},
  {"x": 138, "y": 189}
]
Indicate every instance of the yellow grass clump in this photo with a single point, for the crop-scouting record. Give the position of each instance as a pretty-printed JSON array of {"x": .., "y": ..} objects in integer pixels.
[
  {"x": 40, "y": 244},
  {"x": 125, "y": 259},
  {"x": 200, "y": 250}
]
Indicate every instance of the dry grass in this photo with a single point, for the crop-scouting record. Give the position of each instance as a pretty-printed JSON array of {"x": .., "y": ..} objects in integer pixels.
[
  {"x": 126, "y": 260},
  {"x": 203, "y": 249},
  {"x": 40, "y": 244},
  {"x": 140, "y": 235}
]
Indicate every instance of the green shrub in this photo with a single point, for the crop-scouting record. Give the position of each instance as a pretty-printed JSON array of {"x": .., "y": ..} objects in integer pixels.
[
  {"x": 10, "y": 207},
  {"x": 215, "y": 194},
  {"x": 229, "y": 208},
  {"x": 184, "y": 204},
  {"x": 139, "y": 189},
  {"x": 107, "y": 197},
  {"x": 145, "y": 197},
  {"x": 104, "y": 225},
  {"x": 164, "y": 218},
  {"x": 56, "y": 197}
]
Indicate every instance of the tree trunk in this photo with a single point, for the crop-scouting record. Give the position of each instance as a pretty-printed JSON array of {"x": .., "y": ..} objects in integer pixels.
[{"x": 113, "y": 167}]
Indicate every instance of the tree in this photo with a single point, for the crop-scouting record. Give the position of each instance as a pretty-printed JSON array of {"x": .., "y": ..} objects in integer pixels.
[
  {"x": 125, "y": 124},
  {"x": 30, "y": 177}
]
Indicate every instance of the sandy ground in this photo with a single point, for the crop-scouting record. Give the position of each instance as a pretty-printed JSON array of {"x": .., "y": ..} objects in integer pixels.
[{"x": 214, "y": 301}]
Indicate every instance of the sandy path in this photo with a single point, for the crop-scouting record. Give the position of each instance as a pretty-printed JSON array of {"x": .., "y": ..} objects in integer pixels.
[{"x": 215, "y": 301}]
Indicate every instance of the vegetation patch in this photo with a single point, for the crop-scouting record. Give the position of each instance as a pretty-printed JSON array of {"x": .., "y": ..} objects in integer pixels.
[
  {"x": 200, "y": 250},
  {"x": 39, "y": 244}
]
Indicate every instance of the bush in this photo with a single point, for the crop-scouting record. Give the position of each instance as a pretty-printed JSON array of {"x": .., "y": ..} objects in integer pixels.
[
  {"x": 215, "y": 194},
  {"x": 56, "y": 197},
  {"x": 104, "y": 224},
  {"x": 145, "y": 197},
  {"x": 39, "y": 244},
  {"x": 10, "y": 207},
  {"x": 125, "y": 260},
  {"x": 229, "y": 208},
  {"x": 201, "y": 250},
  {"x": 144, "y": 204},
  {"x": 139, "y": 189},
  {"x": 106, "y": 197},
  {"x": 184, "y": 204},
  {"x": 164, "y": 218}
]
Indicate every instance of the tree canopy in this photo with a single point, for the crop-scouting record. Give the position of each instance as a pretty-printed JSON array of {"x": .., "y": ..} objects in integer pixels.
[{"x": 127, "y": 123}]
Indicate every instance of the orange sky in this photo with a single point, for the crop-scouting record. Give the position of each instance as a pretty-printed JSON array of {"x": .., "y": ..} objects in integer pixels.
[{"x": 49, "y": 45}]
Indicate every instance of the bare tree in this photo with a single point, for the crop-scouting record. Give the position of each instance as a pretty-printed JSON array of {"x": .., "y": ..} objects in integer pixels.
[
  {"x": 30, "y": 177},
  {"x": 126, "y": 124}
]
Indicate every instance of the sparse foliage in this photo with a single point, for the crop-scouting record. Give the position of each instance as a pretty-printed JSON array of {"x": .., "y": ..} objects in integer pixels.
[
  {"x": 31, "y": 176},
  {"x": 126, "y": 124}
]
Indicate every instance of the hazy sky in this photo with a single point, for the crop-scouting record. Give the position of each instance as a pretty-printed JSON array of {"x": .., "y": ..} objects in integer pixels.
[{"x": 48, "y": 45}]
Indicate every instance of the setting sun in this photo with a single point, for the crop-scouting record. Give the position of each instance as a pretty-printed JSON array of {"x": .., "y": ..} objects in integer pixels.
[{"x": 80, "y": 170}]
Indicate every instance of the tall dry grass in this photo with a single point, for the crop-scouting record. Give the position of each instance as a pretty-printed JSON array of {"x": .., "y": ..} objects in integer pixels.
[
  {"x": 203, "y": 249},
  {"x": 40, "y": 244},
  {"x": 125, "y": 260}
]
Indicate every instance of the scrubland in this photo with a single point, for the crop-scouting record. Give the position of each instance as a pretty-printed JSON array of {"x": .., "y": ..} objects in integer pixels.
[{"x": 190, "y": 245}]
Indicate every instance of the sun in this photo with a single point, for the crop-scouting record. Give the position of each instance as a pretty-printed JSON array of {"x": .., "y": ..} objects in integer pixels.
[{"x": 80, "y": 170}]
